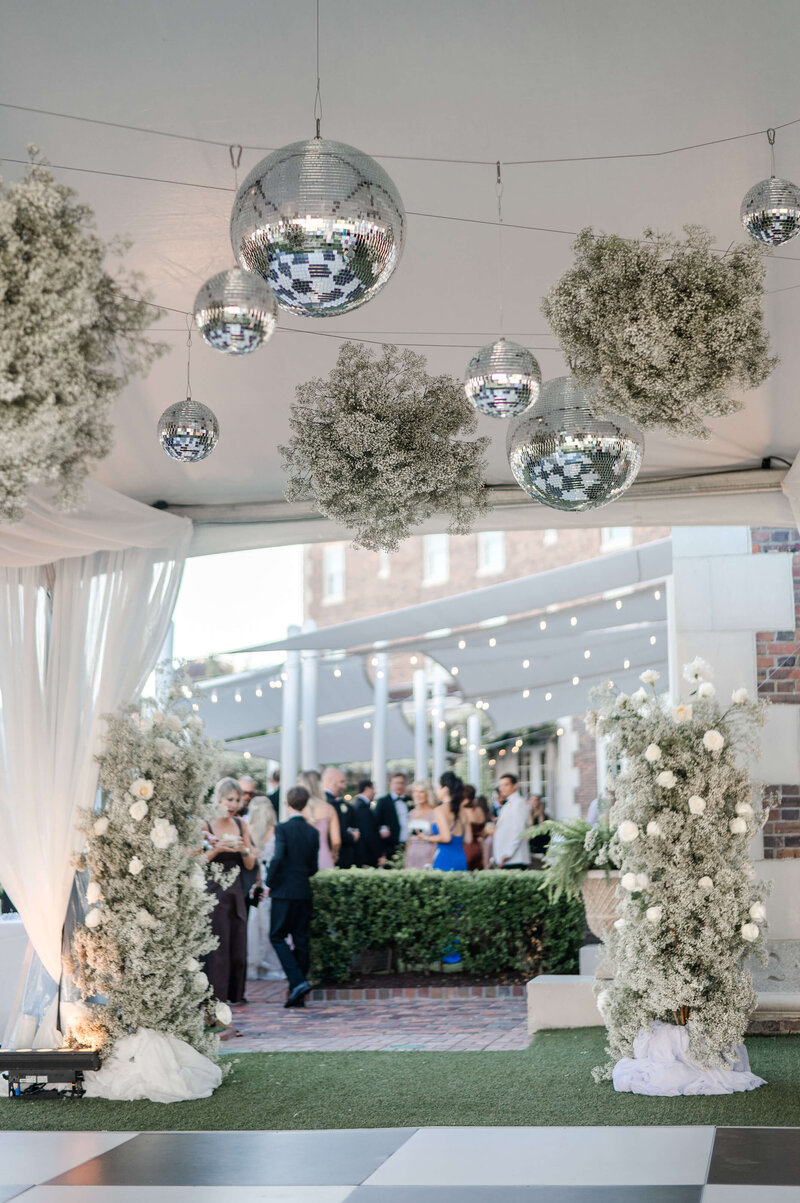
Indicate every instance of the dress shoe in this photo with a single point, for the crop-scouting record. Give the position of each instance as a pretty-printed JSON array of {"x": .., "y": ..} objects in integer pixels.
[
  {"x": 297, "y": 1002},
  {"x": 297, "y": 994}
]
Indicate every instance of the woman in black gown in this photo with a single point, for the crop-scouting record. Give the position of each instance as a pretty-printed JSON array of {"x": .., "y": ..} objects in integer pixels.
[{"x": 230, "y": 845}]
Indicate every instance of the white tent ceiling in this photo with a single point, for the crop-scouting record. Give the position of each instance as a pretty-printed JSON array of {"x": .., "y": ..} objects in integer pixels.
[
  {"x": 457, "y": 80},
  {"x": 341, "y": 739}
]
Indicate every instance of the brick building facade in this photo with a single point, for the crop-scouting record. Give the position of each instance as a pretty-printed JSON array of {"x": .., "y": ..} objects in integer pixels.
[{"x": 778, "y": 658}]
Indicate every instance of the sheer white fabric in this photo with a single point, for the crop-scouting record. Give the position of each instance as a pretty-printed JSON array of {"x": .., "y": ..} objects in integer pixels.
[
  {"x": 62, "y": 667},
  {"x": 662, "y": 1065},
  {"x": 151, "y": 1065}
]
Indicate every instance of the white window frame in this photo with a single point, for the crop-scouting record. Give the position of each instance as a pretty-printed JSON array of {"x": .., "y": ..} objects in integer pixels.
[
  {"x": 334, "y": 573},
  {"x": 491, "y": 552},
  {"x": 616, "y": 538},
  {"x": 435, "y": 559}
]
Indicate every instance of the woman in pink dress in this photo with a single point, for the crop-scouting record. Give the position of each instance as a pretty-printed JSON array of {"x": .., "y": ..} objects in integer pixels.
[{"x": 321, "y": 815}]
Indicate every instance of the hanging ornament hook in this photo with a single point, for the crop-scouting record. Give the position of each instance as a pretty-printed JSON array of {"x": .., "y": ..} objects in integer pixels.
[
  {"x": 498, "y": 187},
  {"x": 189, "y": 324},
  {"x": 318, "y": 96},
  {"x": 235, "y": 152},
  {"x": 771, "y": 140}
]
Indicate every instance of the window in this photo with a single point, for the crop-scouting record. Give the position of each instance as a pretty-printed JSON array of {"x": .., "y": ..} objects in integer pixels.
[
  {"x": 550, "y": 537},
  {"x": 435, "y": 559},
  {"x": 616, "y": 538},
  {"x": 333, "y": 575},
  {"x": 491, "y": 552},
  {"x": 384, "y": 565}
]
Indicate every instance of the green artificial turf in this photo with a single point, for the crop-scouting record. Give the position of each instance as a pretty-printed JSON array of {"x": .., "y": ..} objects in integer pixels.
[{"x": 547, "y": 1084}]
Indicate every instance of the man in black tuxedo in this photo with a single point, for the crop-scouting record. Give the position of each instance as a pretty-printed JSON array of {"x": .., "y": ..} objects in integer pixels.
[
  {"x": 293, "y": 864},
  {"x": 369, "y": 843},
  {"x": 391, "y": 814},
  {"x": 334, "y": 782}
]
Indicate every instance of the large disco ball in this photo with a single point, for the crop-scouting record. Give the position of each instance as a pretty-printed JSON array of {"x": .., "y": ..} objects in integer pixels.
[
  {"x": 235, "y": 312},
  {"x": 502, "y": 379},
  {"x": 771, "y": 211},
  {"x": 322, "y": 223},
  {"x": 188, "y": 431},
  {"x": 565, "y": 457}
]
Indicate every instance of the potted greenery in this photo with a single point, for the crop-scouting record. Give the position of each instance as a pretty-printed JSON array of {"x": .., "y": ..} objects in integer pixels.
[{"x": 582, "y": 859}]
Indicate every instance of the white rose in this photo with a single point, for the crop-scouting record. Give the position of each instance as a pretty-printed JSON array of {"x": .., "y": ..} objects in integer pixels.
[
  {"x": 639, "y": 698},
  {"x": 649, "y": 676},
  {"x": 223, "y": 1013},
  {"x": 682, "y": 714},
  {"x": 706, "y": 885},
  {"x": 698, "y": 670},
  {"x": 758, "y": 912},
  {"x": 750, "y": 932},
  {"x": 173, "y": 723},
  {"x": 654, "y": 914},
  {"x": 697, "y": 804},
  {"x": 748, "y": 871},
  {"x": 737, "y": 826},
  {"x": 137, "y": 810},
  {"x": 163, "y": 834},
  {"x": 192, "y": 965},
  {"x": 740, "y": 697},
  {"x": 158, "y": 717},
  {"x": 745, "y": 809},
  {"x": 198, "y": 878},
  {"x": 200, "y": 981},
  {"x": 713, "y": 741},
  {"x": 145, "y": 919},
  {"x": 100, "y": 826},
  {"x": 93, "y": 893},
  {"x": 141, "y": 788},
  {"x": 667, "y": 779},
  {"x": 642, "y": 881},
  {"x": 706, "y": 690},
  {"x": 165, "y": 748},
  {"x": 620, "y": 700},
  {"x": 94, "y": 918},
  {"x": 620, "y": 923},
  {"x": 194, "y": 723},
  {"x": 602, "y": 1001},
  {"x": 628, "y": 831},
  {"x": 628, "y": 881},
  {"x": 135, "y": 866},
  {"x": 654, "y": 828},
  {"x": 652, "y": 753}
]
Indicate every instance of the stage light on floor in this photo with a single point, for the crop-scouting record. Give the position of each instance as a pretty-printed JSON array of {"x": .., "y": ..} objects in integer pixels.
[{"x": 64, "y": 1065}]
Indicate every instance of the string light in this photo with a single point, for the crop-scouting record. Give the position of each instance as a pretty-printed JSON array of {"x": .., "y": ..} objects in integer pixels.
[
  {"x": 548, "y": 697},
  {"x": 195, "y": 706},
  {"x": 413, "y": 660},
  {"x": 560, "y": 731},
  {"x": 492, "y": 642},
  {"x": 454, "y": 732},
  {"x": 626, "y": 663},
  {"x": 586, "y": 654},
  {"x": 652, "y": 640},
  {"x": 379, "y": 674},
  {"x": 442, "y": 726},
  {"x": 237, "y": 697},
  {"x": 462, "y": 742},
  {"x": 462, "y": 643},
  {"x": 502, "y": 752},
  {"x": 526, "y": 693},
  {"x": 618, "y": 604},
  {"x": 259, "y": 693},
  {"x": 543, "y": 625},
  {"x": 246, "y": 755},
  {"x": 367, "y": 726},
  {"x": 284, "y": 676},
  {"x": 472, "y": 747},
  {"x": 337, "y": 672},
  {"x": 657, "y": 595},
  {"x": 483, "y": 752},
  {"x": 573, "y": 622},
  {"x": 454, "y": 670},
  {"x": 576, "y": 680},
  {"x": 526, "y": 663},
  {"x": 213, "y": 697},
  {"x": 492, "y": 761}
]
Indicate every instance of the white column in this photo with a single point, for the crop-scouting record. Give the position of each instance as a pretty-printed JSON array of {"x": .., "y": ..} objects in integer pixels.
[
  {"x": 420, "y": 684},
  {"x": 438, "y": 729},
  {"x": 381, "y": 696},
  {"x": 290, "y": 728},
  {"x": 309, "y": 744},
  {"x": 474, "y": 750}
]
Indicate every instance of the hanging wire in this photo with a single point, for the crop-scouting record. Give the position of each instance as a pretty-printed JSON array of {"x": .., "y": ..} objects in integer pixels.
[
  {"x": 318, "y": 97},
  {"x": 189, "y": 324},
  {"x": 498, "y": 187},
  {"x": 771, "y": 140}
]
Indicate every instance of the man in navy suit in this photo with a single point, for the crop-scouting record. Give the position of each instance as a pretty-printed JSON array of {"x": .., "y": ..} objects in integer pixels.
[
  {"x": 369, "y": 845},
  {"x": 391, "y": 815},
  {"x": 294, "y": 862}
]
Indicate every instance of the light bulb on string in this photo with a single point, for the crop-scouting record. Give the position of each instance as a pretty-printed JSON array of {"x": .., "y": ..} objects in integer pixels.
[
  {"x": 188, "y": 431},
  {"x": 503, "y": 378},
  {"x": 770, "y": 211}
]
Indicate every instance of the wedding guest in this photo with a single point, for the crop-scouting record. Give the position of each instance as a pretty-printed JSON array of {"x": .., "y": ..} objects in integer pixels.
[
  {"x": 369, "y": 844},
  {"x": 449, "y": 830},
  {"x": 334, "y": 783},
  {"x": 477, "y": 819},
  {"x": 391, "y": 811},
  {"x": 537, "y": 843},
  {"x": 419, "y": 852},
  {"x": 262, "y": 820},
  {"x": 321, "y": 814},
  {"x": 274, "y": 789},
  {"x": 259, "y": 811},
  {"x": 509, "y": 845},
  {"x": 230, "y": 845},
  {"x": 293, "y": 864}
]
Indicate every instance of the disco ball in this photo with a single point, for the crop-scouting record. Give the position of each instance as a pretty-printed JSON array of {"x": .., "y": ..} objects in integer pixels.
[
  {"x": 565, "y": 457},
  {"x": 322, "y": 223},
  {"x": 502, "y": 379},
  {"x": 188, "y": 431},
  {"x": 235, "y": 312},
  {"x": 771, "y": 211}
]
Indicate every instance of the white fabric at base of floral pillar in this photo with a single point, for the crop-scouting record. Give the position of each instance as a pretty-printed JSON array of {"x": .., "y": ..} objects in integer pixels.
[
  {"x": 78, "y": 638},
  {"x": 662, "y": 1066}
]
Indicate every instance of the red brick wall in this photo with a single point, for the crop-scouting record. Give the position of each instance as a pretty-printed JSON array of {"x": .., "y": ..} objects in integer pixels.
[
  {"x": 782, "y": 829},
  {"x": 778, "y": 652}
]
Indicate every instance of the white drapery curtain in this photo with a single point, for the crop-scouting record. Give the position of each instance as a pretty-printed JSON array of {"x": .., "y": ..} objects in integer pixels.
[{"x": 78, "y": 638}]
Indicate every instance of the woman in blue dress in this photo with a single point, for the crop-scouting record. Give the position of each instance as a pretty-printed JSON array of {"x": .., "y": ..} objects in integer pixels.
[{"x": 449, "y": 830}]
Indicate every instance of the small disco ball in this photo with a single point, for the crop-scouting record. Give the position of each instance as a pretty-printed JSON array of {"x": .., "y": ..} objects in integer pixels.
[
  {"x": 502, "y": 379},
  {"x": 188, "y": 431},
  {"x": 565, "y": 457},
  {"x": 771, "y": 211},
  {"x": 235, "y": 312},
  {"x": 322, "y": 223}
]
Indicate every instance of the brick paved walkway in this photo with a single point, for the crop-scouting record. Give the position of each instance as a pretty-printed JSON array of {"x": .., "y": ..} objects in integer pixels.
[{"x": 390, "y": 1024}]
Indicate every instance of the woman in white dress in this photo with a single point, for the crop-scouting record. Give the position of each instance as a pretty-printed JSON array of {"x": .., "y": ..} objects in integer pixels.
[{"x": 262, "y": 960}]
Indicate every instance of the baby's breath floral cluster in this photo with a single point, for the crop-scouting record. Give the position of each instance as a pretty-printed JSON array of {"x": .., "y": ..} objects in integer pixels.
[
  {"x": 71, "y": 335},
  {"x": 148, "y": 922},
  {"x": 379, "y": 446},
  {"x": 690, "y": 911},
  {"x": 661, "y": 329}
]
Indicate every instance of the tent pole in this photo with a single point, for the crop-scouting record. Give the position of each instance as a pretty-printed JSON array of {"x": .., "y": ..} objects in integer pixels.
[
  {"x": 439, "y": 731},
  {"x": 381, "y": 697},
  {"x": 474, "y": 751},
  {"x": 308, "y": 673},
  {"x": 420, "y": 724},
  {"x": 291, "y": 723}
]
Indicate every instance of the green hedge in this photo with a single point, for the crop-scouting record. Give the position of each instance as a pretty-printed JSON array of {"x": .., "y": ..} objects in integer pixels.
[{"x": 501, "y": 920}]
